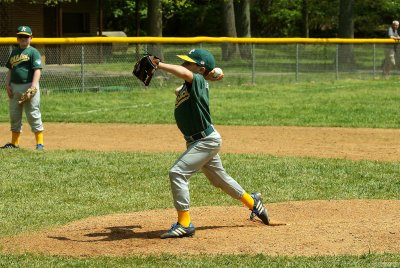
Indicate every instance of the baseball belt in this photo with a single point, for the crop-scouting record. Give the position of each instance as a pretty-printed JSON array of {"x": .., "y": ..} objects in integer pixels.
[{"x": 200, "y": 135}]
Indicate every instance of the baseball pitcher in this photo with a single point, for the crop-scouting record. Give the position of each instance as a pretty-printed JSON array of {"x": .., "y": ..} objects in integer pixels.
[{"x": 203, "y": 142}]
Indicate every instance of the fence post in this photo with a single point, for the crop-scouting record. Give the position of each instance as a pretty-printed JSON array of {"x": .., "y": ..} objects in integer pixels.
[
  {"x": 253, "y": 64},
  {"x": 374, "y": 59},
  {"x": 337, "y": 62},
  {"x": 297, "y": 62},
  {"x": 82, "y": 68}
]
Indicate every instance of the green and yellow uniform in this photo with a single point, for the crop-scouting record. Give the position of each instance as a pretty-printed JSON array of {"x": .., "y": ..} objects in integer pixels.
[
  {"x": 192, "y": 112},
  {"x": 24, "y": 64}
]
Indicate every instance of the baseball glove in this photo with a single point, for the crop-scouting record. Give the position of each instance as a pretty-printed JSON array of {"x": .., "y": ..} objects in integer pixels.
[
  {"x": 28, "y": 95},
  {"x": 145, "y": 67}
]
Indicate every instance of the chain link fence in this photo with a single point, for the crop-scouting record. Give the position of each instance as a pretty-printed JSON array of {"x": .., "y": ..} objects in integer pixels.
[{"x": 108, "y": 67}]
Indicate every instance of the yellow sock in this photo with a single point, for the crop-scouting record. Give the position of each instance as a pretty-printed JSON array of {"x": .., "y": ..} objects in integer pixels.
[
  {"x": 247, "y": 200},
  {"x": 39, "y": 137},
  {"x": 184, "y": 218},
  {"x": 15, "y": 137}
]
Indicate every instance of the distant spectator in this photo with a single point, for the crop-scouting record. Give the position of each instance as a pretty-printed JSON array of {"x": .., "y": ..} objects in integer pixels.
[{"x": 390, "y": 51}]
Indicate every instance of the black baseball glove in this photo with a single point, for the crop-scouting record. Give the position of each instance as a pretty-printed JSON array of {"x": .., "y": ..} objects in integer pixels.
[{"x": 145, "y": 67}]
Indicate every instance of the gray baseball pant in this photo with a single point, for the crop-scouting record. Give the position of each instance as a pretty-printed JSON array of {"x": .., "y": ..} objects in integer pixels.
[
  {"x": 32, "y": 109},
  {"x": 201, "y": 154}
]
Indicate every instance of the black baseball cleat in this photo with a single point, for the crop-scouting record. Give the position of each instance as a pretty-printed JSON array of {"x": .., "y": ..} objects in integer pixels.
[
  {"x": 258, "y": 209},
  {"x": 9, "y": 146},
  {"x": 178, "y": 231}
]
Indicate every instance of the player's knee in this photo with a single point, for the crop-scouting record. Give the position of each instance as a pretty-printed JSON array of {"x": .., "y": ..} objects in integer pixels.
[{"x": 178, "y": 176}]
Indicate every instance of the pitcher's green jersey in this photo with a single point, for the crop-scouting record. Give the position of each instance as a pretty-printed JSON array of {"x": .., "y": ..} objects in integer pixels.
[
  {"x": 192, "y": 112},
  {"x": 22, "y": 63}
]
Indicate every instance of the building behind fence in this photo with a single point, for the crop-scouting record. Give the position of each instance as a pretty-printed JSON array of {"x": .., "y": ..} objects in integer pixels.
[{"x": 105, "y": 64}]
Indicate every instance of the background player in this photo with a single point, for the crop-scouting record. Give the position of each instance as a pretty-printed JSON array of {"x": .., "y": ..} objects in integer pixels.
[
  {"x": 24, "y": 70},
  {"x": 203, "y": 142}
]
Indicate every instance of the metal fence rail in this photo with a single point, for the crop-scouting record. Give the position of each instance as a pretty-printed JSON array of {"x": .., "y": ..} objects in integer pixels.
[{"x": 80, "y": 67}]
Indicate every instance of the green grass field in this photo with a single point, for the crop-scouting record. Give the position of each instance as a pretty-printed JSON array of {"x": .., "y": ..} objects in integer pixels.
[
  {"x": 370, "y": 104},
  {"x": 43, "y": 190}
]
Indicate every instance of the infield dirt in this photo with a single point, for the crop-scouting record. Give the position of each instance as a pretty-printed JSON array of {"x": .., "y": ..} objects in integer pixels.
[
  {"x": 344, "y": 143},
  {"x": 307, "y": 228}
]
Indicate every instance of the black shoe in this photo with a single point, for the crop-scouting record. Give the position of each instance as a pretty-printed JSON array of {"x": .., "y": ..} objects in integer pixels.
[
  {"x": 258, "y": 209},
  {"x": 178, "y": 231},
  {"x": 9, "y": 146}
]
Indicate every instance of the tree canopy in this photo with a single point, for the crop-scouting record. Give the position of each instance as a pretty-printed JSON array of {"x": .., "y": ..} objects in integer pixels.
[
  {"x": 268, "y": 18},
  {"x": 45, "y": 2}
]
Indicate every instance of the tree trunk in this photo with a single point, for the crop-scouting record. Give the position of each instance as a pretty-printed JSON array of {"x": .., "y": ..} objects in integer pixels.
[
  {"x": 346, "y": 30},
  {"x": 137, "y": 18},
  {"x": 305, "y": 24},
  {"x": 346, "y": 23},
  {"x": 242, "y": 12},
  {"x": 228, "y": 49},
  {"x": 154, "y": 15}
]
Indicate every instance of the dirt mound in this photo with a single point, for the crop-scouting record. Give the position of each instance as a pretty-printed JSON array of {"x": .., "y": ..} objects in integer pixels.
[{"x": 304, "y": 228}]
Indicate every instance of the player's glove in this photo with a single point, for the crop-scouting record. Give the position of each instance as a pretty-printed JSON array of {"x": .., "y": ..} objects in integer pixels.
[
  {"x": 145, "y": 67},
  {"x": 28, "y": 95}
]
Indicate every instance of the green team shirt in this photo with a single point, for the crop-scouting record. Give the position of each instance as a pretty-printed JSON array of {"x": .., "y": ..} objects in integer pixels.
[
  {"x": 192, "y": 112},
  {"x": 23, "y": 62}
]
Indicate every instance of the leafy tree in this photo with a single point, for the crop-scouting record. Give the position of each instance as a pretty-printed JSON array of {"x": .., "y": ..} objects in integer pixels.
[
  {"x": 268, "y": 18},
  {"x": 373, "y": 17},
  {"x": 121, "y": 15},
  {"x": 192, "y": 18},
  {"x": 45, "y": 2},
  {"x": 276, "y": 18},
  {"x": 323, "y": 18}
]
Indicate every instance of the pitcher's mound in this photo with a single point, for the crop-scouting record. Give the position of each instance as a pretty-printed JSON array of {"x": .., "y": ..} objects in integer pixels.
[{"x": 298, "y": 228}]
